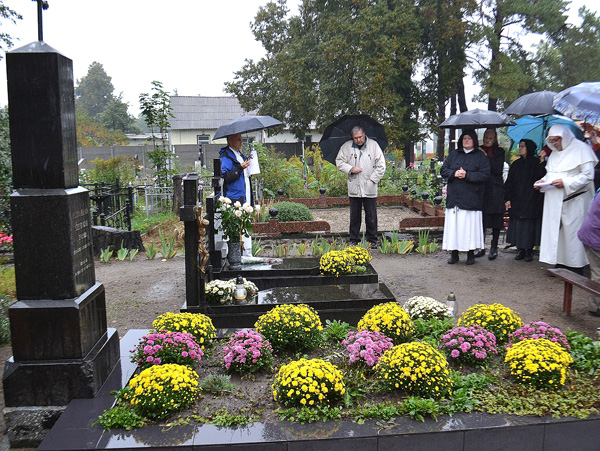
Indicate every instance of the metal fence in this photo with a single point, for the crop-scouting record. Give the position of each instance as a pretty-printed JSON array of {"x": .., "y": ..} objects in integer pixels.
[
  {"x": 111, "y": 205},
  {"x": 159, "y": 199}
]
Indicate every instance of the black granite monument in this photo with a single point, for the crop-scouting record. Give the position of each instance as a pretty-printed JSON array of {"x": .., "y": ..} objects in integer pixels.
[{"x": 62, "y": 348}]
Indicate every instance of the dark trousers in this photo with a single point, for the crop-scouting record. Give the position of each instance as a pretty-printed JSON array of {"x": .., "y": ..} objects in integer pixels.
[{"x": 356, "y": 206}]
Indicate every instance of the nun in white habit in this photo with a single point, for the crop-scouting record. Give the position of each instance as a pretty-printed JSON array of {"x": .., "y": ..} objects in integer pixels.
[{"x": 568, "y": 188}]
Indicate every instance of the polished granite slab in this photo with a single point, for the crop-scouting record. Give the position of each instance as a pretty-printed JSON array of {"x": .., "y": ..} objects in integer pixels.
[
  {"x": 294, "y": 272},
  {"x": 461, "y": 432},
  {"x": 344, "y": 302}
]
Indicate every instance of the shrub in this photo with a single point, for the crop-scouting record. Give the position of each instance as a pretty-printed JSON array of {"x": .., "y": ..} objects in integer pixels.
[
  {"x": 168, "y": 347},
  {"x": 308, "y": 383},
  {"x": 472, "y": 345},
  {"x": 247, "y": 352},
  {"x": 495, "y": 318},
  {"x": 366, "y": 346},
  {"x": 197, "y": 324},
  {"x": 539, "y": 329},
  {"x": 292, "y": 211},
  {"x": 291, "y": 326},
  {"x": 162, "y": 389},
  {"x": 119, "y": 167},
  {"x": 540, "y": 363},
  {"x": 417, "y": 368},
  {"x": 390, "y": 319},
  {"x": 426, "y": 308}
]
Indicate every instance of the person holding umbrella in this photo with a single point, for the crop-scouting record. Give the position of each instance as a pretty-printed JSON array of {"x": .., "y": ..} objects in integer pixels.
[
  {"x": 362, "y": 159},
  {"x": 466, "y": 169},
  {"x": 236, "y": 179},
  {"x": 493, "y": 199}
]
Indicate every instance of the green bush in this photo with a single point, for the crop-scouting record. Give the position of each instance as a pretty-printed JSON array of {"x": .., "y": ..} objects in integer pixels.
[
  {"x": 119, "y": 167},
  {"x": 291, "y": 211}
]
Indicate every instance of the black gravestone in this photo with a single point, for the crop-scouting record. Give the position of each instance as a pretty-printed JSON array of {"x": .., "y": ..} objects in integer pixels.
[{"x": 62, "y": 348}]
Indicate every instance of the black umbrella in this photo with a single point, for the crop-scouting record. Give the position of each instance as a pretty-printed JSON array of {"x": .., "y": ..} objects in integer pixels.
[
  {"x": 246, "y": 124},
  {"x": 339, "y": 132},
  {"x": 477, "y": 119},
  {"x": 535, "y": 104}
]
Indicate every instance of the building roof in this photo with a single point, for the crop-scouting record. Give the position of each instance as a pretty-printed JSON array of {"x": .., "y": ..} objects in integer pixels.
[{"x": 201, "y": 113}]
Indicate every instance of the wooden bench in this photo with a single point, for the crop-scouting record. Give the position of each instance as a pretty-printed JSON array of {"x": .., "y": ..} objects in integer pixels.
[{"x": 571, "y": 279}]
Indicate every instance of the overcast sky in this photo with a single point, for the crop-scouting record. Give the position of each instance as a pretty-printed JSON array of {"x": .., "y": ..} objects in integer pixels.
[{"x": 192, "y": 46}]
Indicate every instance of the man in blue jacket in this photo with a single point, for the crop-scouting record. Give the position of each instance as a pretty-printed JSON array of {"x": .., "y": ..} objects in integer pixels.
[{"x": 236, "y": 178}]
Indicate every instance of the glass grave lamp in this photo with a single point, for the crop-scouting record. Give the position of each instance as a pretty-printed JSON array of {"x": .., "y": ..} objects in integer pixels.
[
  {"x": 240, "y": 291},
  {"x": 452, "y": 304}
]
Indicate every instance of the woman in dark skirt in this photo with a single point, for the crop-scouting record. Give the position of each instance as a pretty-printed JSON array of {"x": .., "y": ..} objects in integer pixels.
[
  {"x": 493, "y": 199},
  {"x": 524, "y": 203}
]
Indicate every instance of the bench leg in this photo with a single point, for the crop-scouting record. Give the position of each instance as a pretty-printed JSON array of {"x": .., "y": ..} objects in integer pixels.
[{"x": 568, "y": 296}]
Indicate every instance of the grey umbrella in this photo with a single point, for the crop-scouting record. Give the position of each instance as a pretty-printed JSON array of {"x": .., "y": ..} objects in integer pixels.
[
  {"x": 535, "y": 103},
  {"x": 246, "y": 124},
  {"x": 477, "y": 119},
  {"x": 580, "y": 102}
]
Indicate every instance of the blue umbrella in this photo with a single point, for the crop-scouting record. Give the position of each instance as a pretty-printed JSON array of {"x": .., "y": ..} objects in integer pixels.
[
  {"x": 581, "y": 102},
  {"x": 534, "y": 128}
]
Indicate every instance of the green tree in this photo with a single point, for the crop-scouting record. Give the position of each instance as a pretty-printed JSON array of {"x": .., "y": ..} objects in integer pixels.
[
  {"x": 570, "y": 56},
  {"x": 156, "y": 110},
  {"x": 349, "y": 56},
  {"x": 7, "y": 14},
  {"x": 445, "y": 35},
  {"x": 501, "y": 64},
  {"x": 90, "y": 133},
  {"x": 116, "y": 117},
  {"x": 94, "y": 91}
]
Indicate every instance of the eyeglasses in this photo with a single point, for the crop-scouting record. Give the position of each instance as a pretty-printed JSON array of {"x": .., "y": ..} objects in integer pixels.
[{"x": 553, "y": 141}]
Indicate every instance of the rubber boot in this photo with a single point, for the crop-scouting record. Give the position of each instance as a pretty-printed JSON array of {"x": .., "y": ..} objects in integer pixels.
[{"x": 453, "y": 258}]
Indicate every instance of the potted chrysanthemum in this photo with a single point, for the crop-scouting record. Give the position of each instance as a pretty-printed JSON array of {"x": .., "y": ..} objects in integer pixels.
[{"x": 236, "y": 222}]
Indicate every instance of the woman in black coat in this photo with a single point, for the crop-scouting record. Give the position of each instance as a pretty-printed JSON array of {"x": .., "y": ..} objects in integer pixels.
[
  {"x": 493, "y": 199},
  {"x": 466, "y": 169},
  {"x": 524, "y": 203}
]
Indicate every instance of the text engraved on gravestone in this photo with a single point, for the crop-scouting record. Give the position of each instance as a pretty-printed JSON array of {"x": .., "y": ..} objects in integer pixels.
[{"x": 82, "y": 241}]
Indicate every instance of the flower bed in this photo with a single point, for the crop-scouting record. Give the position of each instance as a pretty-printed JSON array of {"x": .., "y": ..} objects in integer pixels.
[{"x": 414, "y": 378}]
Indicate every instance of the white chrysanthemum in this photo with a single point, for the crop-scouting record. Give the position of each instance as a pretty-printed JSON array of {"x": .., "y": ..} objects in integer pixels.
[{"x": 426, "y": 308}]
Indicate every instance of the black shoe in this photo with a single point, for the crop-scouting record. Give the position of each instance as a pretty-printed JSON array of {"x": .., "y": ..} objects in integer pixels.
[
  {"x": 520, "y": 255},
  {"x": 480, "y": 253},
  {"x": 353, "y": 243},
  {"x": 453, "y": 258},
  {"x": 493, "y": 253},
  {"x": 596, "y": 313},
  {"x": 470, "y": 258},
  {"x": 529, "y": 255}
]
